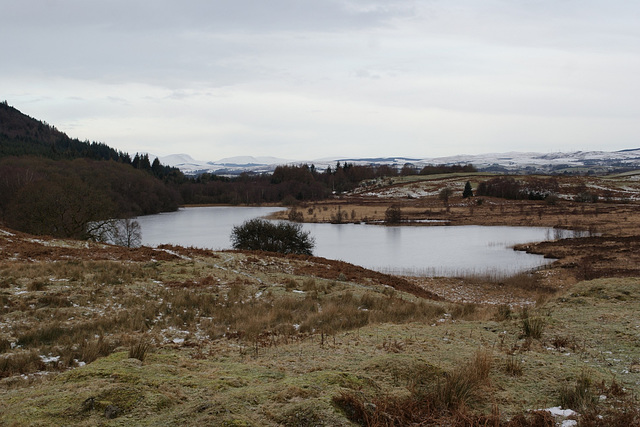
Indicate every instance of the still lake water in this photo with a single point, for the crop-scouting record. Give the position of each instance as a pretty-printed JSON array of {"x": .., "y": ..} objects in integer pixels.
[{"x": 416, "y": 250}]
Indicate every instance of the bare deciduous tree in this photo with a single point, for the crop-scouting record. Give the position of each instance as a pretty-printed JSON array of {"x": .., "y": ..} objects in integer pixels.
[{"x": 122, "y": 232}]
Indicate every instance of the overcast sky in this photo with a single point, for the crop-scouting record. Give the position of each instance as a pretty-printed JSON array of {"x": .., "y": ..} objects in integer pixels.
[{"x": 305, "y": 79}]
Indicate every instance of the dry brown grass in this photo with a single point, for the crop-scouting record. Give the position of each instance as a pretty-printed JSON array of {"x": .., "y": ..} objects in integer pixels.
[
  {"x": 139, "y": 349},
  {"x": 447, "y": 402},
  {"x": 513, "y": 366},
  {"x": 81, "y": 310},
  {"x": 305, "y": 321},
  {"x": 22, "y": 362},
  {"x": 463, "y": 386},
  {"x": 91, "y": 350},
  {"x": 532, "y": 324}
]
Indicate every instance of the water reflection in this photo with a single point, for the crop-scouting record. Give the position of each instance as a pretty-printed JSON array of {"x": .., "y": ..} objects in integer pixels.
[{"x": 438, "y": 250}]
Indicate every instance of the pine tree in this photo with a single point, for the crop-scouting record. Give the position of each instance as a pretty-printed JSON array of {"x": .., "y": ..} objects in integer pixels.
[{"x": 467, "y": 192}]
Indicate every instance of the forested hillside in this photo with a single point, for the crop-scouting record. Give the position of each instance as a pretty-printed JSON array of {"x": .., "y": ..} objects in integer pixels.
[
  {"x": 21, "y": 135},
  {"x": 55, "y": 185},
  {"x": 59, "y": 198}
]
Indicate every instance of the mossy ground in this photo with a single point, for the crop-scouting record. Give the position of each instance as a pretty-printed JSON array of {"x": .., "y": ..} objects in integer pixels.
[
  {"x": 255, "y": 339},
  {"x": 592, "y": 327}
]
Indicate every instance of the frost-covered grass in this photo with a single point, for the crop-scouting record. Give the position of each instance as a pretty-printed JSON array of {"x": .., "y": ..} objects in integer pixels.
[{"x": 250, "y": 339}]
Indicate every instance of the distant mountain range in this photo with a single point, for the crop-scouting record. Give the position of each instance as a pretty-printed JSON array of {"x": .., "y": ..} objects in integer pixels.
[{"x": 511, "y": 162}]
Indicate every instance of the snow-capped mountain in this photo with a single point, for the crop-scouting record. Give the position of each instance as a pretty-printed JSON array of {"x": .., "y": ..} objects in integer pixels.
[
  {"x": 509, "y": 162},
  {"x": 597, "y": 161},
  {"x": 227, "y": 166},
  {"x": 251, "y": 161}
]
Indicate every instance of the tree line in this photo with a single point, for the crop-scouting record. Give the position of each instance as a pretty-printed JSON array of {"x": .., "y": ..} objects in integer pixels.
[
  {"x": 55, "y": 185},
  {"x": 289, "y": 184},
  {"x": 63, "y": 197},
  {"x": 69, "y": 198},
  {"x": 507, "y": 187}
]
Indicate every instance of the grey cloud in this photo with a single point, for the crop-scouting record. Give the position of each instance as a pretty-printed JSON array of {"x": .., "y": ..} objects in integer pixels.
[
  {"x": 226, "y": 15},
  {"x": 168, "y": 42},
  {"x": 282, "y": 59},
  {"x": 562, "y": 24}
]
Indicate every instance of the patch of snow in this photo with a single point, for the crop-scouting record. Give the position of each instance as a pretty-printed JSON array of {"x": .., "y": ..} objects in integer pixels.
[
  {"x": 298, "y": 292},
  {"x": 178, "y": 340},
  {"x": 557, "y": 411},
  {"x": 49, "y": 359},
  {"x": 186, "y": 258},
  {"x": 39, "y": 241}
]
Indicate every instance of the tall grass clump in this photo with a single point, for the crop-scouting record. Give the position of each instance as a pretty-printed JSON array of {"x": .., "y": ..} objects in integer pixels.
[
  {"x": 446, "y": 403},
  {"x": 90, "y": 350},
  {"x": 46, "y": 334},
  {"x": 513, "y": 366},
  {"x": 139, "y": 349},
  {"x": 532, "y": 325},
  {"x": 462, "y": 387},
  {"x": 503, "y": 312},
  {"x": 579, "y": 397},
  {"x": 20, "y": 363},
  {"x": 4, "y": 345},
  {"x": 465, "y": 311}
]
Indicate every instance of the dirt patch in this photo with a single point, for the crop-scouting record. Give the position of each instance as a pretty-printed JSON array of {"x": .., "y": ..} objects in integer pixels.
[{"x": 342, "y": 271}]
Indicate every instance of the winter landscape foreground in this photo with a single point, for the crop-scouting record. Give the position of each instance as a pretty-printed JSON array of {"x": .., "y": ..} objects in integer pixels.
[{"x": 98, "y": 334}]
